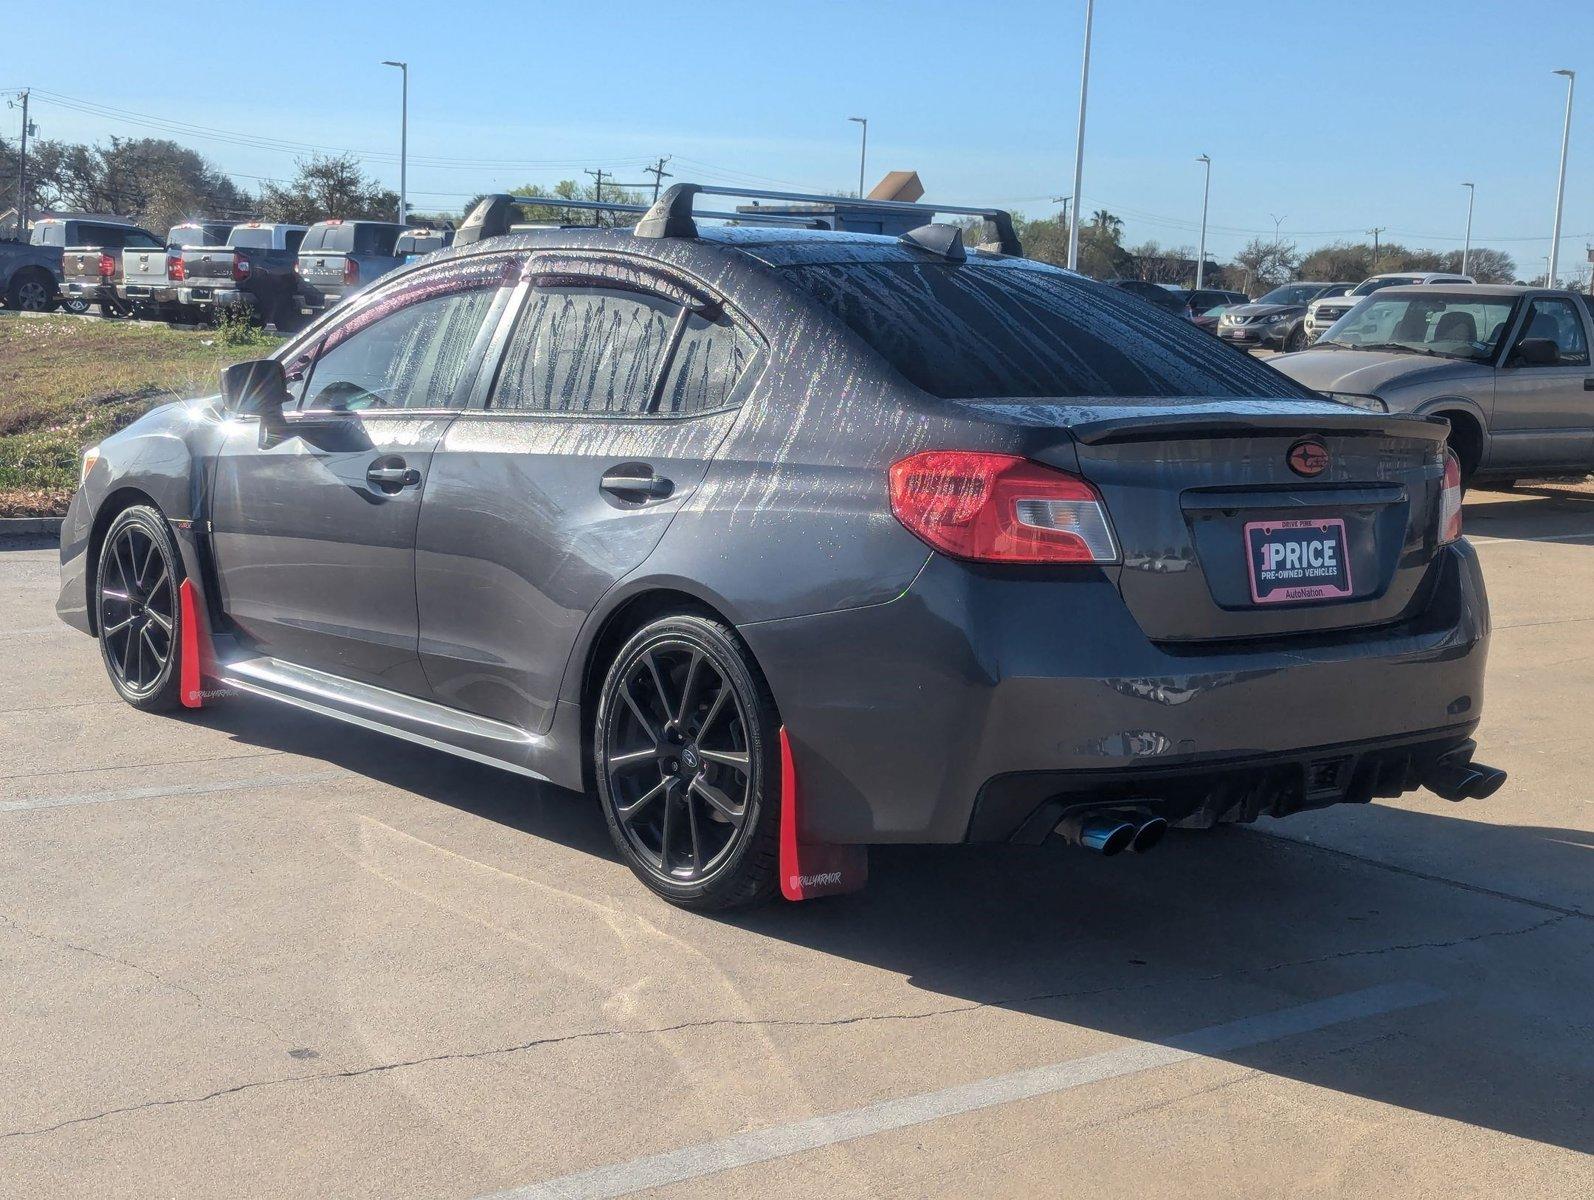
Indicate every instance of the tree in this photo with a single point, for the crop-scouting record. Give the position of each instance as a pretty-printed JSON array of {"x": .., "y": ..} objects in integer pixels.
[
  {"x": 151, "y": 179},
  {"x": 1267, "y": 262},
  {"x": 1162, "y": 264},
  {"x": 328, "y": 187}
]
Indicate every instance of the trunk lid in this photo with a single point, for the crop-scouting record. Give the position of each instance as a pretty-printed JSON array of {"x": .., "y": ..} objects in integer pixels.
[
  {"x": 1196, "y": 488},
  {"x": 323, "y": 268},
  {"x": 208, "y": 263},
  {"x": 144, "y": 267}
]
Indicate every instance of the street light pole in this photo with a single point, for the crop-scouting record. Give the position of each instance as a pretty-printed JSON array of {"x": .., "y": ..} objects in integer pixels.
[
  {"x": 404, "y": 140},
  {"x": 1079, "y": 140},
  {"x": 1466, "y": 248},
  {"x": 863, "y": 151},
  {"x": 1560, "y": 183},
  {"x": 1201, "y": 254}
]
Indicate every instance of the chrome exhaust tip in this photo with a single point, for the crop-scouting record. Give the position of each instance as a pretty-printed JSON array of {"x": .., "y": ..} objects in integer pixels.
[
  {"x": 1106, "y": 834},
  {"x": 1148, "y": 835}
]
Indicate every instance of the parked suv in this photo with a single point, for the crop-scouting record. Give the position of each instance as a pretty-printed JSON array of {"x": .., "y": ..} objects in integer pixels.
[
  {"x": 792, "y": 541},
  {"x": 1189, "y": 304},
  {"x": 414, "y": 243},
  {"x": 1508, "y": 367},
  {"x": 254, "y": 272},
  {"x": 338, "y": 258},
  {"x": 91, "y": 258},
  {"x": 1323, "y": 312},
  {"x": 1278, "y": 319}
]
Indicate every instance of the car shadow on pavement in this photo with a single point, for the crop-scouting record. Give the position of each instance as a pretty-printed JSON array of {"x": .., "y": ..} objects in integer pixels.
[{"x": 1210, "y": 927}]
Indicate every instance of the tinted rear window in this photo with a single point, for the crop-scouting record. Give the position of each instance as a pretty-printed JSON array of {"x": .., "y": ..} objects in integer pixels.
[{"x": 1024, "y": 330}]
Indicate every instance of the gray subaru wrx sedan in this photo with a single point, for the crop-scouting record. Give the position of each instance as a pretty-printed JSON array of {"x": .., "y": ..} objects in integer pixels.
[{"x": 787, "y": 541}]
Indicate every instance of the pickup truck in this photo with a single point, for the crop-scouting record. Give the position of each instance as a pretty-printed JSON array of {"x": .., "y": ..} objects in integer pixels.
[
  {"x": 338, "y": 258},
  {"x": 254, "y": 271},
  {"x": 149, "y": 284},
  {"x": 91, "y": 258},
  {"x": 418, "y": 242},
  {"x": 30, "y": 276}
]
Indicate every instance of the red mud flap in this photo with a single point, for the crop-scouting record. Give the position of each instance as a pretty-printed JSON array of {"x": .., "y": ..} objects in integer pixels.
[
  {"x": 190, "y": 676},
  {"x": 810, "y": 869}
]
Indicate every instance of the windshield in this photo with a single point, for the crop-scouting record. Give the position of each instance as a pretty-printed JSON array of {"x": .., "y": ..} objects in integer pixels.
[
  {"x": 1368, "y": 286},
  {"x": 1026, "y": 330},
  {"x": 1447, "y": 326},
  {"x": 1292, "y": 293}
]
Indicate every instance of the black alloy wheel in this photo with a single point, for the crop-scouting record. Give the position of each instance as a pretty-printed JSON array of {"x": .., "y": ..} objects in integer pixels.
[
  {"x": 136, "y": 609},
  {"x": 686, "y": 757}
]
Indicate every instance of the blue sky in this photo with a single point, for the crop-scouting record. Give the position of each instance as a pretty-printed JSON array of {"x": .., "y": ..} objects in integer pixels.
[{"x": 1334, "y": 118}]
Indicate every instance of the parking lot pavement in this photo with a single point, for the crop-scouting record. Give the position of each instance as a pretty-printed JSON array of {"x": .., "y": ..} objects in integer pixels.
[{"x": 248, "y": 953}]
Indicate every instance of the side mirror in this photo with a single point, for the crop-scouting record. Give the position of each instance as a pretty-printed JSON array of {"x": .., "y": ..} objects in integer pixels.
[
  {"x": 1536, "y": 352},
  {"x": 257, "y": 388}
]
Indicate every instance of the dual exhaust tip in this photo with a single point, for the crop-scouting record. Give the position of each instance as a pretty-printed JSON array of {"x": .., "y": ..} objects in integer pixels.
[
  {"x": 1112, "y": 833},
  {"x": 1463, "y": 780}
]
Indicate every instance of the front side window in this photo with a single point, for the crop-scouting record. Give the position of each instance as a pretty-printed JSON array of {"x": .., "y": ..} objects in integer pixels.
[
  {"x": 411, "y": 358},
  {"x": 1447, "y": 326},
  {"x": 585, "y": 350},
  {"x": 1557, "y": 321},
  {"x": 1292, "y": 293}
]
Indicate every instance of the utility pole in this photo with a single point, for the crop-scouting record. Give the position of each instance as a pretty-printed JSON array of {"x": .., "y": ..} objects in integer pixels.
[
  {"x": 1201, "y": 254},
  {"x": 1373, "y": 233},
  {"x": 1560, "y": 183},
  {"x": 404, "y": 140},
  {"x": 659, "y": 175},
  {"x": 863, "y": 150},
  {"x": 1062, "y": 218},
  {"x": 1079, "y": 140},
  {"x": 22, "y": 168},
  {"x": 1466, "y": 247}
]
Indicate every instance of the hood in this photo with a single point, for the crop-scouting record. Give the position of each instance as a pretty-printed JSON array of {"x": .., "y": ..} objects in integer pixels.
[
  {"x": 1370, "y": 372},
  {"x": 1265, "y": 310}
]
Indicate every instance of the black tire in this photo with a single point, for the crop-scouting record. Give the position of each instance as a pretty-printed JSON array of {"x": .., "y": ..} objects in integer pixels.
[
  {"x": 137, "y": 610},
  {"x": 76, "y": 306},
  {"x": 1296, "y": 340},
  {"x": 686, "y": 753},
  {"x": 31, "y": 291}
]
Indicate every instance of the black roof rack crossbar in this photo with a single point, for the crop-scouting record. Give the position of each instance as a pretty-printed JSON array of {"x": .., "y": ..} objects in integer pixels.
[
  {"x": 494, "y": 215},
  {"x": 672, "y": 214}
]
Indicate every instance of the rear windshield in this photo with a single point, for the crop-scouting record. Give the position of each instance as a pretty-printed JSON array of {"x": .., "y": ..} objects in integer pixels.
[
  {"x": 250, "y": 239},
  {"x": 1025, "y": 330},
  {"x": 51, "y": 233},
  {"x": 195, "y": 235},
  {"x": 419, "y": 243},
  {"x": 355, "y": 238}
]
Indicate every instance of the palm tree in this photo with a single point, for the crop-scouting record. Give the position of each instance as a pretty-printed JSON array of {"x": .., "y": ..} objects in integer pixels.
[{"x": 1107, "y": 223}]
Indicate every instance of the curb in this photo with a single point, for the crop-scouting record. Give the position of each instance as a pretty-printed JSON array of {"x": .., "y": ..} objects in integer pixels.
[{"x": 25, "y": 526}]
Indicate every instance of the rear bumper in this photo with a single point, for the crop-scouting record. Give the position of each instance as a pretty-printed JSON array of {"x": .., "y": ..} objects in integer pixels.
[
  {"x": 316, "y": 300},
  {"x": 147, "y": 293},
  {"x": 206, "y": 296},
  {"x": 93, "y": 291},
  {"x": 904, "y": 714}
]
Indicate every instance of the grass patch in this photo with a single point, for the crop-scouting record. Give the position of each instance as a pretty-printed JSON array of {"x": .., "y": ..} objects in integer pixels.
[{"x": 66, "y": 383}]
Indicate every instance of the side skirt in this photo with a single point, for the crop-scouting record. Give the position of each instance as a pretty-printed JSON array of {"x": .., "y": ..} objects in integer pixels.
[{"x": 436, "y": 726}]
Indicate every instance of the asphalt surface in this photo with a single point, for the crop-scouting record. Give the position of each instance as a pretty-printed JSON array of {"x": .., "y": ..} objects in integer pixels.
[{"x": 249, "y": 953}]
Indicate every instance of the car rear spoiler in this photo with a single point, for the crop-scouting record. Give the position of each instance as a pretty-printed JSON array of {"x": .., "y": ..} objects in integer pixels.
[{"x": 1165, "y": 426}]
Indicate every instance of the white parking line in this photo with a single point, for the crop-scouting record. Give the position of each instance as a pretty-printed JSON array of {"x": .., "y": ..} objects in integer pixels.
[
  {"x": 764, "y": 1145},
  {"x": 1488, "y": 539},
  {"x": 158, "y": 793}
]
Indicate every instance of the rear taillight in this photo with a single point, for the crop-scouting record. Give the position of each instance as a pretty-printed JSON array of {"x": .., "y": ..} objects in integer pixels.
[
  {"x": 1450, "y": 501},
  {"x": 107, "y": 265},
  {"x": 174, "y": 268},
  {"x": 1000, "y": 508},
  {"x": 240, "y": 268},
  {"x": 351, "y": 272}
]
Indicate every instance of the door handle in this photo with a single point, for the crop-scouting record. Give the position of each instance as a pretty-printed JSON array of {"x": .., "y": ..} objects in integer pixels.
[
  {"x": 1588, "y": 385},
  {"x": 636, "y": 482},
  {"x": 391, "y": 475}
]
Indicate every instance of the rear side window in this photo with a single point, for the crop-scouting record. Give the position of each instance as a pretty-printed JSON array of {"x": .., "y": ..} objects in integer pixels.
[
  {"x": 107, "y": 237},
  {"x": 1018, "y": 329},
  {"x": 292, "y": 239},
  {"x": 375, "y": 239},
  {"x": 707, "y": 363},
  {"x": 585, "y": 350}
]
